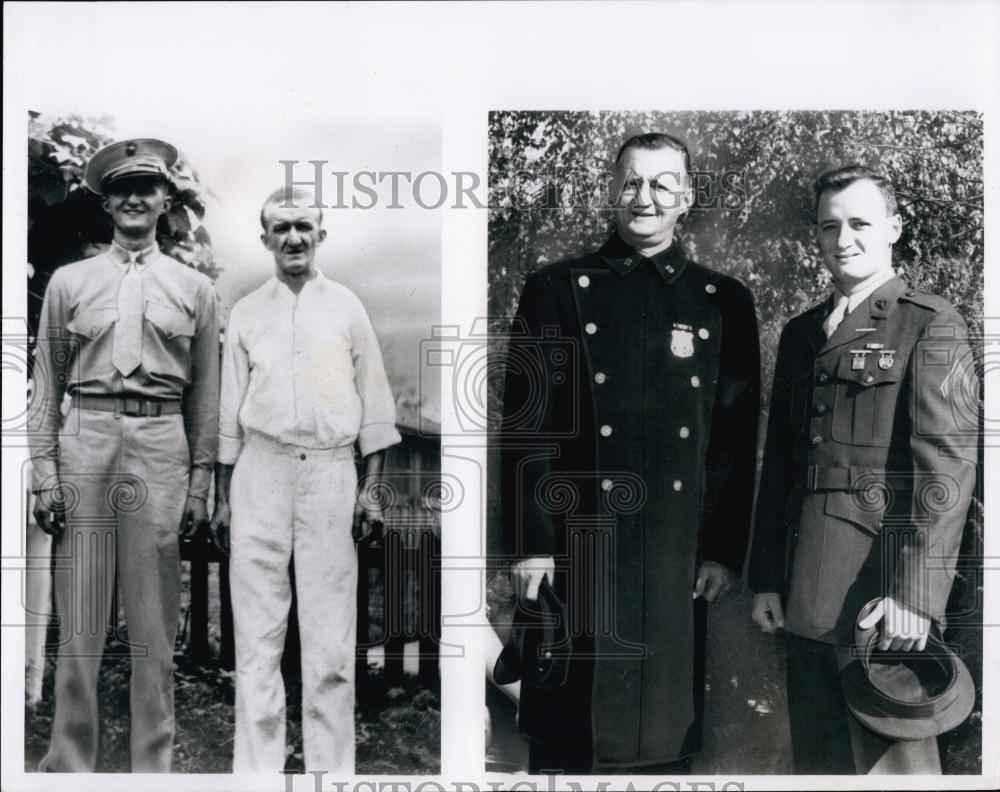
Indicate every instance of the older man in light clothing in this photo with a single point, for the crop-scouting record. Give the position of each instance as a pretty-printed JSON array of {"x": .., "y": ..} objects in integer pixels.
[{"x": 302, "y": 380}]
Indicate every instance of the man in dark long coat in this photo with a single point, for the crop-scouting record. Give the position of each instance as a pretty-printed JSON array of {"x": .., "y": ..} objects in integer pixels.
[{"x": 629, "y": 435}]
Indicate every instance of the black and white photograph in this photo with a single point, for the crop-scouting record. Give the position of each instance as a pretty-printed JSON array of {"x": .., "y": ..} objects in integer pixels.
[
  {"x": 539, "y": 396},
  {"x": 664, "y": 280},
  {"x": 241, "y": 534}
]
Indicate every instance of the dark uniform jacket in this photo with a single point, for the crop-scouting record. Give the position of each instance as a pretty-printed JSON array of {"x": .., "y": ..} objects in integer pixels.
[
  {"x": 629, "y": 433},
  {"x": 870, "y": 461}
]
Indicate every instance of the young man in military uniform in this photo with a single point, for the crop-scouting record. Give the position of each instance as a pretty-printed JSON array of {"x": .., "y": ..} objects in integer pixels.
[
  {"x": 131, "y": 337},
  {"x": 629, "y": 437},
  {"x": 868, "y": 473}
]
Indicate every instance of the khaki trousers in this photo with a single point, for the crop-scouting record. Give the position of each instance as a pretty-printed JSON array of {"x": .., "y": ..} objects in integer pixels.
[
  {"x": 293, "y": 504},
  {"x": 126, "y": 480}
]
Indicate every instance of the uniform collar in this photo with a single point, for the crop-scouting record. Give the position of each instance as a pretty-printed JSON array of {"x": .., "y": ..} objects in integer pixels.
[
  {"x": 143, "y": 258},
  {"x": 623, "y": 259},
  {"x": 868, "y": 315},
  {"x": 862, "y": 294}
]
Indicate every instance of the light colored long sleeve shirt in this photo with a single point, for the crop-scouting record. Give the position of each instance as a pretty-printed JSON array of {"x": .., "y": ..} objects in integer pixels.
[
  {"x": 303, "y": 370},
  {"x": 180, "y": 352}
]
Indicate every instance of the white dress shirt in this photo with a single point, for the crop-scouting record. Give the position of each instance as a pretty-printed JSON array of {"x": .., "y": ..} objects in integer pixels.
[
  {"x": 303, "y": 370},
  {"x": 866, "y": 288}
]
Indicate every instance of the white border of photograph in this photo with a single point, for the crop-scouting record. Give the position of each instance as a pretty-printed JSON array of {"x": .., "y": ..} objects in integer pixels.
[{"x": 453, "y": 63}]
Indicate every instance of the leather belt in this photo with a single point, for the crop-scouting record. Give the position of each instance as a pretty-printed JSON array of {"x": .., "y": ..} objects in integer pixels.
[
  {"x": 839, "y": 478},
  {"x": 145, "y": 408}
]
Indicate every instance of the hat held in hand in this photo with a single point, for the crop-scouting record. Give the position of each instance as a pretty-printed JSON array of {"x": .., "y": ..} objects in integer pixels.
[
  {"x": 539, "y": 645},
  {"x": 906, "y": 695}
]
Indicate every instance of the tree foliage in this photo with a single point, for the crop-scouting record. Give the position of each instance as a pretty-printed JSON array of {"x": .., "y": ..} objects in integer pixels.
[
  {"x": 549, "y": 183},
  {"x": 59, "y": 148},
  {"x": 550, "y": 178},
  {"x": 65, "y": 220}
]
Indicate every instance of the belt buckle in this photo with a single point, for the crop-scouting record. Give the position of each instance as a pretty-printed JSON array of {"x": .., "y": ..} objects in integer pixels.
[{"x": 132, "y": 407}]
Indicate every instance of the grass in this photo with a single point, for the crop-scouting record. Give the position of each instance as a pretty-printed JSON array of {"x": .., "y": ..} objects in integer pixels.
[{"x": 398, "y": 730}]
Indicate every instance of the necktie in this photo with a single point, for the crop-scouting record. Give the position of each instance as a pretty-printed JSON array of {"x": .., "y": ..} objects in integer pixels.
[
  {"x": 127, "y": 353},
  {"x": 832, "y": 322}
]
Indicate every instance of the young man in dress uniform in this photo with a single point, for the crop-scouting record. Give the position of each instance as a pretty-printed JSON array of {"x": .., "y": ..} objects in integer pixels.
[
  {"x": 131, "y": 337},
  {"x": 629, "y": 437},
  {"x": 868, "y": 473},
  {"x": 302, "y": 381}
]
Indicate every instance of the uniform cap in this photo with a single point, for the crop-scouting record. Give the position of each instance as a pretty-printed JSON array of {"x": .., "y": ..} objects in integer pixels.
[
  {"x": 538, "y": 651},
  {"x": 139, "y": 157}
]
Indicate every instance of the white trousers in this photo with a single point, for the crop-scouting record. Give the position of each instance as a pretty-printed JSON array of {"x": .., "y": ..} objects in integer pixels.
[{"x": 293, "y": 504}]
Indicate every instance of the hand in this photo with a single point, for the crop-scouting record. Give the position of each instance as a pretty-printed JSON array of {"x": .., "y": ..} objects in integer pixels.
[
  {"x": 195, "y": 517},
  {"x": 903, "y": 629},
  {"x": 526, "y": 575},
  {"x": 218, "y": 529},
  {"x": 48, "y": 511},
  {"x": 714, "y": 581},
  {"x": 767, "y": 612},
  {"x": 367, "y": 508}
]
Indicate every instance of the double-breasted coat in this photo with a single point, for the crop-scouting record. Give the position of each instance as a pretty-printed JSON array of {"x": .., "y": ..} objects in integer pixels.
[
  {"x": 629, "y": 434},
  {"x": 870, "y": 461}
]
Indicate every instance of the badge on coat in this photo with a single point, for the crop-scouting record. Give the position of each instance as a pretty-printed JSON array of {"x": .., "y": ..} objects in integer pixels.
[
  {"x": 682, "y": 340},
  {"x": 858, "y": 359},
  {"x": 886, "y": 358}
]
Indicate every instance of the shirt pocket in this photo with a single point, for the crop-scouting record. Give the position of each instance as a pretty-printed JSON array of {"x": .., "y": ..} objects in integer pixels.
[
  {"x": 864, "y": 408},
  {"x": 92, "y": 322},
  {"x": 864, "y": 509},
  {"x": 850, "y": 558},
  {"x": 169, "y": 322}
]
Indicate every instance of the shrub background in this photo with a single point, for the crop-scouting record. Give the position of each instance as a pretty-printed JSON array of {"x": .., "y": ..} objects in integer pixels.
[{"x": 549, "y": 183}]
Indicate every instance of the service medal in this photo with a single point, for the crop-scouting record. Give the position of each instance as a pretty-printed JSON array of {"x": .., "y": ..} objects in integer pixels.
[
  {"x": 682, "y": 340},
  {"x": 886, "y": 358},
  {"x": 858, "y": 359}
]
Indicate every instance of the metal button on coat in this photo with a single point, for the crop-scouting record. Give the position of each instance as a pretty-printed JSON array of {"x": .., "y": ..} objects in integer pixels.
[
  {"x": 590, "y": 328},
  {"x": 695, "y": 381},
  {"x": 685, "y": 433},
  {"x": 302, "y": 456},
  {"x": 869, "y": 378},
  {"x": 819, "y": 409},
  {"x": 584, "y": 281},
  {"x": 710, "y": 288},
  {"x": 817, "y": 441},
  {"x": 606, "y": 431},
  {"x": 600, "y": 378},
  {"x": 703, "y": 334},
  {"x": 823, "y": 378},
  {"x": 606, "y": 485},
  {"x": 677, "y": 486}
]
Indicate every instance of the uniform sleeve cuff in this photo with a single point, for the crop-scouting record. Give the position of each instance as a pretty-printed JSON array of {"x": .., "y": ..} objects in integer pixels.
[
  {"x": 44, "y": 475},
  {"x": 201, "y": 482},
  {"x": 375, "y": 437},
  {"x": 229, "y": 450}
]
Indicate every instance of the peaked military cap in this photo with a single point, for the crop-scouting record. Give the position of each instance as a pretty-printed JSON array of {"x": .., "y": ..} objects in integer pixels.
[{"x": 139, "y": 157}]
